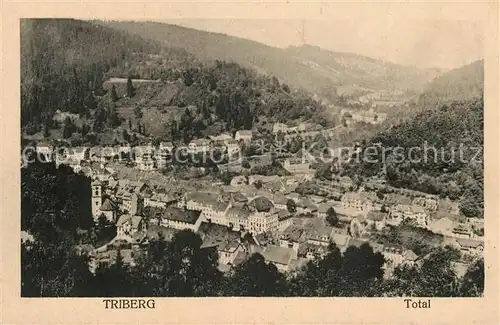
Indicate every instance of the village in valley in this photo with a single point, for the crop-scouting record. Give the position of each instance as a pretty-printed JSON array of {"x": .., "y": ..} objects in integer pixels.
[{"x": 289, "y": 218}]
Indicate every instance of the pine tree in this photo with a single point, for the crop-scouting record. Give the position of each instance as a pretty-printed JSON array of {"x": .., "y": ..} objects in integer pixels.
[
  {"x": 114, "y": 96},
  {"x": 130, "y": 88}
]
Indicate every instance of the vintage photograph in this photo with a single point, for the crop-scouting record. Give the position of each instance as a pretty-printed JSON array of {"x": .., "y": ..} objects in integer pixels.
[{"x": 252, "y": 157}]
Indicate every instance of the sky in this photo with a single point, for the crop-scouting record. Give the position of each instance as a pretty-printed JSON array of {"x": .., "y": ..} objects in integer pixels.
[{"x": 422, "y": 43}]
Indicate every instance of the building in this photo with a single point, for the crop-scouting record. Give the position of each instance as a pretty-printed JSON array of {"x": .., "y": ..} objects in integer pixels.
[
  {"x": 281, "y": 257},
  {"x": 45, "y": 150},
  {"x": 292, "y": 238},
  {"x": 180, "y": 218},
  {"x": 428, "y": 202},
  {"x": 108, "y": 209},
  {"x": 470, "y": 246},
  {"x": 128, "y": 226},
  {"x": 323, "y": 209},
  {"x": 409, "y": 212},
  {"x": 359, "y": 201},
  {"x": 97, "y": 198},
  {"x": 238, "y": 180},
  {"x": 376, "y": 219},
  {"x": 284, "y": 219},
  {"x": 159, "y": 200},
  {"x": 243, "y": 135},
  {"x": 297, "y": 165},
  {"x": 213, "y": 206},
  {"x": 198, "y": 146},
  {"x": 232, "y": 147}
]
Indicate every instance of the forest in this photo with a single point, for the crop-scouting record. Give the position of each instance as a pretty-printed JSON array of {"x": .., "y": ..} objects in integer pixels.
[
  {"x": 452, "y": 167},
  {"x": 66, "y": 63},
  {"x": 55, "y": 214}
]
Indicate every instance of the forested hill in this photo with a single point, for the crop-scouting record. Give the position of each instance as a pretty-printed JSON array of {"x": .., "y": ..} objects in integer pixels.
[
  {"x": 452, "y": 166},
  {"x": 463, "y": 83},
  {"x": 318, "y": 71},
  {"x": 67, "y": 65}
]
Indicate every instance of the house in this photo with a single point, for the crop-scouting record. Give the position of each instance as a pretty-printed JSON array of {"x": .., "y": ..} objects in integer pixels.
[
  {"x": 340, "y": 240},
  {"x": 297, "y": 165},
  {"x": 280, "y": 201},
  {"x": 428, "y": 202},
  {"x": 393, "y": 254},
  {"x": 322, "y": 209},
  {"x": 470, "y": 246},
  {"x": 238, "y": 180},
  {"x": 292, "y": 238},
  {"x": 462, "y": 230},
  {"x": 181, "y": 218},
  {"x": 232, "y": 147},
  {"x": 159, "y": 200},
  {"x": 108, "y": 209},
  {"x": 306, "y": 206},
  {"x": 376, "y": 219},
  {"x": 284, "y": 219},
  {"x": 44, "y": 149},
  {"x": 227, "y": 249},
  {"x": 128, "y": 226},
  {"x": 321, "y": 236},
  {"x": 222, "y": 138},
  {"x": 243, "y": 135},
  {"x": 211, "y": 205},
  {"x": 359, "y": 201},
  {"x": 281, "y": 257},
  {"x": 409, "y": 257},
  {"x": 391, "y": 199},
  {"x": 402, "y": 212},
  {"x": 198, "y": 146}
]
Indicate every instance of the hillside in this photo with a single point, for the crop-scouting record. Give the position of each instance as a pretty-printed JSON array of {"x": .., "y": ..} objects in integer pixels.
[
  {"x": 438, "y": 152},
  {"x": 311, "y": 68},
  {"x": 75, "y": 83},
  {"x": 463, "y": 83}
]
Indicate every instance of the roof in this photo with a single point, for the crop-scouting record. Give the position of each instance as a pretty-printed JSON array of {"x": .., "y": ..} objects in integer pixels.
[
  {"x": 292, "y": 233},
  {"x": 278, "y": 255},
  {"x": 340, "y": 240},
  {"x": 207, "y": 199},
  {"x": 247, "y": 133},
  {"x": 376, "y": 215},
  {"x": 393, "y": 198},
  {"x": 154, "y": 232},
  {"x": 280, "y": 199},
  {"x": 261, "y": 204},
  {"x": 466, "y": 242},
  {"x": 323, "y": 207},
  {"x": 200, "y": 142},
  {"x": 410, "y": 255},
  {"x": 107, "y": 206},
  {"x": 181, "y": 215},
  {"x": 238, "y": 212},
  {"x": 126, "y": 217},
  {"x": 356, "y": 242}
]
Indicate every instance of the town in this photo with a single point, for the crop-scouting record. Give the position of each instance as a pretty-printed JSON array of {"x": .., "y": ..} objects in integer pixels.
[{"x": 248, "y": 213}]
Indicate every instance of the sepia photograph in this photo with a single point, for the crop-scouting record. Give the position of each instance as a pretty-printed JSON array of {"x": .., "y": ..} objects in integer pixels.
[{"x": 251, "y": 158}]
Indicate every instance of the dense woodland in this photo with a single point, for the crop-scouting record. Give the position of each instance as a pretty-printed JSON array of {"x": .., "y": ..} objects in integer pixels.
[
  {"x": 65, "y": 64},
  {"x": 454, "y": 169},
  {"x": 51, "y": 265}
]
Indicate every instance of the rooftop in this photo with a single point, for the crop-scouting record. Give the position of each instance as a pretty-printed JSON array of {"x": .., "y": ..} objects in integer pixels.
[
  {"x": 181, "y": 215},
  {"x": 278, "y": 255}
]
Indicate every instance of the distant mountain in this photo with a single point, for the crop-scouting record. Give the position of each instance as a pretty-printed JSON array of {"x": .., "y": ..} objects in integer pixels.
[
  {"x": 316, "y": 70},
  {"x": 351, "y": 69},
  {"x": 463, "y": 83}
]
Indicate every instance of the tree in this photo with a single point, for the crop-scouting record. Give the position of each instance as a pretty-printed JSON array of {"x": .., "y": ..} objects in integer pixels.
[
  {"x": 69, "y": 128},
  {"x": 258, "y": 184},
  {"x": 46, "y": 132},
  {"x": 331, "y": 217},
  {"x": 130, "y": 88},
  {"x": 383, "y": 208},
  {"x": 291, "y": 206},
  {"x": 114, "y": 95},
  {"x": 256, "y": 278}
]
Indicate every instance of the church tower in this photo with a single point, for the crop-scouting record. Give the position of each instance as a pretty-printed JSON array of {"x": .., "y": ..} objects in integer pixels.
[{"x": 96, "y": 198}]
